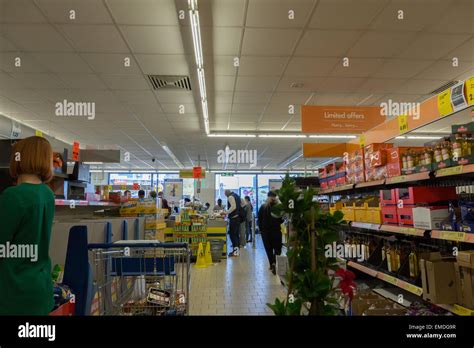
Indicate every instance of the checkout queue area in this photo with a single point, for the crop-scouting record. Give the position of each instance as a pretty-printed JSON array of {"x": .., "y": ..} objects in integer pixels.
[{"x": 187, "y": 170}]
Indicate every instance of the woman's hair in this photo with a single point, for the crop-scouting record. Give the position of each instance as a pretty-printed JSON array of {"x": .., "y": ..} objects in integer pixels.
[{"x": 32, "y": 155}]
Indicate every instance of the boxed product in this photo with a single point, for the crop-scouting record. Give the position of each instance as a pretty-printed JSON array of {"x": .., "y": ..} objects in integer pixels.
[
  {"x": 390, "y": 215},
  {"x": 332, "y": 182},
  {"x": 333, "y": 207},
  {"x": 388, "y": 197},
  {"x": 465, "y": 258},
  {"x": 323, "y": 184},
  {"x": 322, "y": 173},
  {"x": 341, "y": 179},
  {"x": 464, "y": 285},
  {"x": 376, "y": 159},
  {"x": 430, "y": 217},
  {"x": 405, "y": 215},
  {"x": 374, "y": 213},
  {"x": 425, "y": 194},
  {"x": 375, "y": 173},
  {"x": 438, "y": 279}
]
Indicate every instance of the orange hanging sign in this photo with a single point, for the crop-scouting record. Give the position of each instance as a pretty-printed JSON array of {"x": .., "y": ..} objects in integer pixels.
[
  {"x": 75, "y": 151},
  {"x": 197, "y": 172}
]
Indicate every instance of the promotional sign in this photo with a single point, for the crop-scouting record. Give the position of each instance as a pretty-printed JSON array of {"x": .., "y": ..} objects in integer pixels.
[
  {"x": 75, "y": 151},
  {"x": 444, "y": 103},
  {"x": 173, "y": 191},
  {"x": 403, "y": 124},
  {"x": 470, "y": 90},
  {"x": 197, "y": 173},
  {"x": 39, "y": 133},
  {"x": 340, "y": 119},
  {"x": 16, "y": 130},
  {"x": 457, "y": 97},
  {"x": 136, "y": 186},
  {"x": 189, "y": 174},
  {"x": 275, "y": 184}
]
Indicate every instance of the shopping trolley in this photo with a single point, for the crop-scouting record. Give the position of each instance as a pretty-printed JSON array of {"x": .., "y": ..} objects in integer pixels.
[{"x": 140, "y": 278}]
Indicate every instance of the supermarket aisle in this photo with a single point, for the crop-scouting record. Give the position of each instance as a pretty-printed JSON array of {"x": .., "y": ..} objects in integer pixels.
[{"x": 236, "y": 286}]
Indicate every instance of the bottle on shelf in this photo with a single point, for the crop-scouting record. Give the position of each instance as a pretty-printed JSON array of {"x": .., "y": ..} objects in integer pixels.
[
  {"x": 446, "y": 151},
  {"x": 458, "y": 146},
  {"x": 384, "y": 251},
  {"x": 437, "y": 153},
  {"x": 413, "y": 264},
  {"x": 388, "y": 253}
]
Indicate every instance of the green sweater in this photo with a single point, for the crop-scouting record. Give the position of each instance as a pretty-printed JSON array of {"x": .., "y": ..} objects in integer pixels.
[{"x": 26, "y": 218}]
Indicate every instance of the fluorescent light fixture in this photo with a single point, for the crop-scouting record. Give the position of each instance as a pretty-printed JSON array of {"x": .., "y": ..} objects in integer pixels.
[
  {"x": 202, "y": 84},
  {"x": 291, "y": 159},
  {"x": 196, "y": 32},
  {"x": 93, "y": 163},
  {"x": 320, "y": 165},
  {"x": 231, "y": 135},
  {"x": 95, "y": 171},
  {"x": 282, "y": 136},
  {"x": 333, "y": 136}
]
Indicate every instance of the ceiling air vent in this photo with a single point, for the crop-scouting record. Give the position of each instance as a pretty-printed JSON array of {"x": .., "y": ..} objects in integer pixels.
[
  {"x": 170, "y": 82},
  {"x": 444, "y": 87}
]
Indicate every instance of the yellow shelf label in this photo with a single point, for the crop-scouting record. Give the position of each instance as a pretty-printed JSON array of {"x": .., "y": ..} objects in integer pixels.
[
  {"x": 449, "y": 171},
  {"x": 460, "y": 310},
  {"x": 39, "y": 133},
  {"x": 109, "y": 187},
  {"x": 402, "y": 124},
  {"x": 362, "y": 140},
  {"x": 124, "y": 187},
  {"x": 470, "y": 91},
  {"x": 444, "y": 103},
  {"x": 456, "y": 236},
  {"x": 398, "y": 179}
]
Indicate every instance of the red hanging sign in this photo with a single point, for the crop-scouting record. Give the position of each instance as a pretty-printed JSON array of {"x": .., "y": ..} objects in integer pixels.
[
  {"x": 197, "y": 172},
  {"x": 136, "y": 186},
  {"x": 75, "y": 151}
]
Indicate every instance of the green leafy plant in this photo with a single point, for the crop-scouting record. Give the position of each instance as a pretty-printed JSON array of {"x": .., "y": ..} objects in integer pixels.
[{"x": 310, "y": 287}]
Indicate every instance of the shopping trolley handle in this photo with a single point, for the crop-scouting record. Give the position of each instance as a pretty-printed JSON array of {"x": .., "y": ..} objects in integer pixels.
[{"x": 137, "y": 245}]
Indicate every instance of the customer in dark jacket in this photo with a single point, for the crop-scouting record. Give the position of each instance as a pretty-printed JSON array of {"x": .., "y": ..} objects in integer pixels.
[{"x": 270, "y": 229}]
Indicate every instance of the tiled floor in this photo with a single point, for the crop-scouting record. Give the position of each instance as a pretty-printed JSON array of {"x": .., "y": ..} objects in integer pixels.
[{"x": 236, "y": 286}]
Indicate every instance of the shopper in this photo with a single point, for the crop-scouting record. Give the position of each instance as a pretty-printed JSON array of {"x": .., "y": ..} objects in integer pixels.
[
  {"x": 127, "y": 194},
  {"x": 243, "y": 224},
  {"x": 249, "y": 219},
  {"x": 164, "y": 202},
  {"x": 218, "y": 206},
  {"x": 206, "y": 207},
  {"x": 141, "y": 195},
  {"x": 152, "y": 194},
  {"x": 270, "y": 230},
  {"x": 26, "y": 215},
  {"x": 233, "y": 216}
]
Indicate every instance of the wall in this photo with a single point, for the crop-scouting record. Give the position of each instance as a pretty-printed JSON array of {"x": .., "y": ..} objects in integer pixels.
[{"x": 208, "y": 189}]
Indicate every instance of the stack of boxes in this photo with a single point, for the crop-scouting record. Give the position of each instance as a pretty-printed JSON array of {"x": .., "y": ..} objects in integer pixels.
[
  {"x": 155, "y": 225},
  {"x": 375, "y": 160},
  {"x": 414, "y": 206},
  {"x": 355, "y": 166},
  {"x": 332, "y": 175}
]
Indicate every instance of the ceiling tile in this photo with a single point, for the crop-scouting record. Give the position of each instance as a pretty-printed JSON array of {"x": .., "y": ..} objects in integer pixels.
[
  {"x": 250, "y": 109},
  {"x": 95, "y": 38},
  {"x": 144, "y": 12},
  {"x": 358, "y": 67},
  {"x": 325, "y": 43},
  {"x": 373, "y": 85},
  {"x": 457, "y": 19},
  {"x": 381, "y": 44},
  {"x": 82, "y": 81},
  {"x": 464, "y": 52},
  {"x": 309, "y": 84},
  {"x": 28, "y": 63},
  {"x": 154, "y": 40},
  {"x": 109, "y": 63},
  {"x": 244, "y": 126},
  {"x": 275, "y": 13},
  {"x": 356, "y": 14},
  {"x": 223, "y": 83},
  {"x": 125, "y": 82},
  {"x": 175, "y": 108},
  {"x": 221, "y": 41},
  {"x": 38, "y": 80},
  {"x": 20, "y": 11},
  {"x": 309, "y": 66},
  {"x": 251, "y": 97},
  {"x": 262, "y": 41},
  {"x": 221, "y": 13},
  {"x": 45, "y": 37},
  {"x": 444, "y": 70},
  {"x": 136, "y": 97},
  {"x": 220, "y": 65},
  {"x": 432, "y": 46},
  {"x": 89, "y": 12},
  {"x": 402, "y": 68},
  {"x": 63, "y": 62},
  {"x": 261, "y": 66},
  {"x": 174, "y": 96},
  {"x": 257, "y": 84},
  {"x": 416, "y": 14}
]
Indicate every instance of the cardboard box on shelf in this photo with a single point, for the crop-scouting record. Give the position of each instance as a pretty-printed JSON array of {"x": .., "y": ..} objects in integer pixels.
[
  {"x": 322, "y": 173},
  {"x": 405, "y": 215},
  {"x": 371, "y": 148},
  {"x": 390, "y": 215},
  {"x": 388, "y": 197},
  {"x": 376, "y": 159},
  {"x": 464, "y": 285},
  {"x": 438, "y": 279},
  {"x": 376, "y": 173},
  {"x": 425, "y": 194},
  {"x": 465, "y": 258},
  {"x": 429, "y": 218}
]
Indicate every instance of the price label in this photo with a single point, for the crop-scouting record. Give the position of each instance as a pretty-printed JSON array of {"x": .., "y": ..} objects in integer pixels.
[
  {"x": 397, "y": 179},
  {"x": 449, "y": 171},
  {"x": 124, "y": 187},
  {"x": 459, "y": 310},
  {"x": 456, "y": 236},
  {"x": 109, "y": 187},
  {"x": 470, "y": 91},
  {"x": 362, "y": 140},
  {"x": 444, "y": 103},
  {"x": 16, "y": 130},
  {"x": 136, "y": 186},
  {"x": 39, "y": 133},
  {"x": 402, "y": 124},
  {"x": 400, "y": 203}
]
